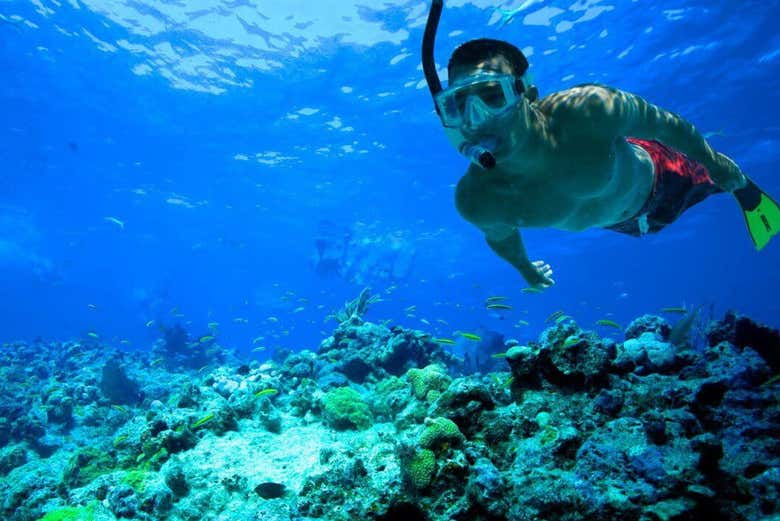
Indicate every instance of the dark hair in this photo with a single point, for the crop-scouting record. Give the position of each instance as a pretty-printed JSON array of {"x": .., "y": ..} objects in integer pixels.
[{"x": 475, "y": 51}]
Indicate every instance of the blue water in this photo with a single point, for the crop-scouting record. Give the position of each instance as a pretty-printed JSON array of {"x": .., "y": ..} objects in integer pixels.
[{"x": 222, "y": 135}]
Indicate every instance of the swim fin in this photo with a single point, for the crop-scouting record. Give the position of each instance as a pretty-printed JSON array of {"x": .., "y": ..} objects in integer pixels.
[{"x": 762, "y": 213}]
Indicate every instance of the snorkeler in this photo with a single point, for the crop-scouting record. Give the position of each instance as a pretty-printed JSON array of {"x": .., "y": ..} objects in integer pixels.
[{"x": 589, "y": 156}]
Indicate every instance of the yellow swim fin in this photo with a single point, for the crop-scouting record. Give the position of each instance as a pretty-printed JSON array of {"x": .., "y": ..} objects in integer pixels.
[{"x": 762, "y": 213}]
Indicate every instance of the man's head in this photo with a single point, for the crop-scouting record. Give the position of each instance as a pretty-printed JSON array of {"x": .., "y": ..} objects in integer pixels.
[{"x": 486, "y": 55}]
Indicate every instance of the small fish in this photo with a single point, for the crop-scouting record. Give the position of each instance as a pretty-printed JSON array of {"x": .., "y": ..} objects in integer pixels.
[
  {"x": 530, "y": 290},
  {"x": 608, "y": 323},
  {"x": 206, "y": 338},
  {"x": 447, "y": 341},
  {"x": 150, "y": 323},
  {"x": 680, "y": 333},
  {"x": 498, "y": 355},
  {"x": 272, "y": 319},
  {"x": 562, "y": 318},
  {"x": 442, "y": 322},
  {"x": 258, "y": 349},
  {"x": 213, "y": 325},
  {"x": 522, "y": 323},
  {"x": 553, "y": 316},
  {"x": 203, "y": 421},
  {"x": 410, "y": 309},
  {"x": 174, "y": 310},
  {"x": 471, "y": 336},
  {"x": 200, "y": 370},
  {"x": 93, "y": 307},
  {"x": 266, "y": 392},
  {"x": 258, "y": 339},
  {"x": 156, "y": 362},
  {"x": 499, "y": 306},
  {"x": 507, "y": 15},
  {"x": 119, "y": 408},
  {"x": 425, "y": 322},
  {"x": 508, "y": 382},
  {"x": 675, "y": 309},
  {"x": 119, "y": 439},
  {"x": 116, "y": 221},
  {"x": 495, "y": 299},
  {"x": 94, "y": 335},
  {"x": 772, "y": 380},
  {"x": 240, "y": 320},
  {"x": 571, "y": 341},
  {"x": 125, "y": 342},
  {"x": 298, "y": 309}
]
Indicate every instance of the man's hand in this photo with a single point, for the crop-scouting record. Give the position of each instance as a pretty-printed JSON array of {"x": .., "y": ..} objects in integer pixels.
[{"x": 539, "y": 278}]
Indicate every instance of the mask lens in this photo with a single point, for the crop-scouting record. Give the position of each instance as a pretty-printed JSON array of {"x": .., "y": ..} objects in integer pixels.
[{"x": 490, "y": 92}]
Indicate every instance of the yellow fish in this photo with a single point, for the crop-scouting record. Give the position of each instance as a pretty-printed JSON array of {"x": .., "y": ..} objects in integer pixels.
[
  {"x": 471, "y": 336},
  {"x": 553, "y": 315},
  {"x": 608, "y": 323},
  {"x": 499, "y": 306},
  {"x": 213, "y": 325},
  {"x": 206, "y": 338},
  {"x": 272, "y": 319},
  {"x": 562, "y": 318},
  {"x": 498, "y": 355},
  {"x": 495, "y": 299},
  {"x": 298, "y": 309},
  {"x": 448, "y": 341},
  {"x": 570, "y": 341},
  {"x": 265, "y": 392},
  {"x": 94, "y": 335}
]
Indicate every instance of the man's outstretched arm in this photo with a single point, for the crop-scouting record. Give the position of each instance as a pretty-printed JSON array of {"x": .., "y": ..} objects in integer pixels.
[
  {"x": 619, "y": 113},
  {"x": 508, "y": 244}
]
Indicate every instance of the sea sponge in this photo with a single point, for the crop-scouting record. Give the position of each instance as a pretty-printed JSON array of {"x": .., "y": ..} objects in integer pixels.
[
  {"x": 439, "y": 432},
  {"x": 428, "y": 382},
  {"x": 344, "y": 408}
]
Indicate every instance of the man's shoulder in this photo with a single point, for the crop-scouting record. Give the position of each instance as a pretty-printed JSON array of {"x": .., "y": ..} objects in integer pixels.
[{"x": 578, "y": 98}]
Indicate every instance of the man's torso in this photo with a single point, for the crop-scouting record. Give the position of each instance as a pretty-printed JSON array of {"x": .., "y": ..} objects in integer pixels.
[{"x": 576, "y": 184}]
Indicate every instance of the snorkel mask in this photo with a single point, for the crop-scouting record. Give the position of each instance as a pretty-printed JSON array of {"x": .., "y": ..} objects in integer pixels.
[{"x": 470, "y": 102}]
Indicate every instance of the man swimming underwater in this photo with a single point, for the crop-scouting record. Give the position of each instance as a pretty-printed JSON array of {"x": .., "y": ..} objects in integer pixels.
[{"x": 589, "y": 156}]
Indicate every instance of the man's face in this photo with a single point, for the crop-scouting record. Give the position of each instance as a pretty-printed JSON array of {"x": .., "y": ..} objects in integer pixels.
[{"x": 494, "y": 127}]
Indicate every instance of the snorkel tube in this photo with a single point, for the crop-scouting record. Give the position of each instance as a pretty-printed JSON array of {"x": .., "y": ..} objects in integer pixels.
[{"x": 477, "y": 153}]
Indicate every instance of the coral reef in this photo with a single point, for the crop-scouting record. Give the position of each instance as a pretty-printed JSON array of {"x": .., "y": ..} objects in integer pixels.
[{"x": 381, "y": 423}]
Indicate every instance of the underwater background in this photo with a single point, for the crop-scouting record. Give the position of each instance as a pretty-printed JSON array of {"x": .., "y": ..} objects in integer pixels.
[
  {"x": 203, "y": 185},
  {"x": 228, "y": 138}
]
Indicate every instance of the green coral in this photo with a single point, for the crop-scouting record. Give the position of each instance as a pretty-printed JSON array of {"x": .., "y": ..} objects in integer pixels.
[
  {"x": 70, "y": 514},
  {"x": 344, "y": 409},
  {"x": 421, "y": 468},
  {"x": 137, "y": 479},
  {"x": 428, "y": 382},
  {"x": 439, "y": 433}
]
